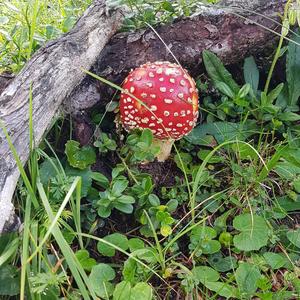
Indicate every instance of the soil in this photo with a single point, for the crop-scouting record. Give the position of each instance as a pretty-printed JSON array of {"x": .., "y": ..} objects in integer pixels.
[{"x": 162, "y": 173}]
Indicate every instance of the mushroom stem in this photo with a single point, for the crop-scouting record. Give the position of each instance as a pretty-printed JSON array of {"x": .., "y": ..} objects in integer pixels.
[{"x": 165, "y": 149}]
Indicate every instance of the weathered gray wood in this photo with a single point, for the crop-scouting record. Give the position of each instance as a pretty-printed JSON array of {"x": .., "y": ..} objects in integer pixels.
[
  {"x": 53, "y": 72},
  {"x": 217, "y": 28}
]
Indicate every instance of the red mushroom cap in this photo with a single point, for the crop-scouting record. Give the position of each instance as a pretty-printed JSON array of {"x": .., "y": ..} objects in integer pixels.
[{"x": 170, "y": 100}]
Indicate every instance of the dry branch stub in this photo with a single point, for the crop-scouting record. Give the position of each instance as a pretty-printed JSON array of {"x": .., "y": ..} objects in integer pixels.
[{"x": 53, "y": 72}]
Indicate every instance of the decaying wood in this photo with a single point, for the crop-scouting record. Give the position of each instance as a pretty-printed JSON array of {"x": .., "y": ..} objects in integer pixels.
[
  {"x": 53, "y": 72},
  {"x": 231, "y": 32}
]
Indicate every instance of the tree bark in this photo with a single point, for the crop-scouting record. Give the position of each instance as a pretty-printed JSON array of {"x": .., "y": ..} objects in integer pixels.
[
  {"x": 55, "y": 75},
  {"x": 231, "y": 31},
  {"x": 53, "y": 72}
]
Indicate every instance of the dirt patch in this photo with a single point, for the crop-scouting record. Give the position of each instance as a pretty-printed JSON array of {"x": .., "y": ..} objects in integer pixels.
[{"x": 162, "y": 173}]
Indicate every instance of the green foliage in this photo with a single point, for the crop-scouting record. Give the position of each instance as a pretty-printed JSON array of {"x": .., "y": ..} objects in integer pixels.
[
  {"x": 139, "y": 147},
  {"x": 276, "y": 261},
  {"x": 203, "y": 241},
  {"x": 105, "y": 144},
  {"x": 25, "y": 26},
  {"x": 218, "y": 73},
  {"x": 239, "y": 169},
  {"x": 160, "y": 216},
  {"x": 158, "y": 12},
  {"x": 116, "y": 239},
  {"x": 222, "y": 131},
  {"x": 10, "y": 281},
  {"x": 251, "y": 73},
  {"x": 292, "y": 74},
  {"x": 254, "y": 232},
  {"x": 100, "y": 279},
  {"x": 78, "y": 157},
  {"x": 205, "y": 274},
  {"x": 246, "y": 276},
  {"x": 221, "y": 263},
  {"x": 83, "y": 257},
  {"x": 47, "y": 284},
  {"x": 124, "y": 291},
  {"x": 294, "y": 237},
  {"x": 113, "y": 197}
]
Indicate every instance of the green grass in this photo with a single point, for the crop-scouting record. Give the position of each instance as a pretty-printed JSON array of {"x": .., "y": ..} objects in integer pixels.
[{"x": 25, "y": 26}]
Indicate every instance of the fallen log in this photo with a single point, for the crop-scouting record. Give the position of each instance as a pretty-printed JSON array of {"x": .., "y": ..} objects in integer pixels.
[
  {"x": 55, "y": 73},
  {"x": 231, "y": 31}
]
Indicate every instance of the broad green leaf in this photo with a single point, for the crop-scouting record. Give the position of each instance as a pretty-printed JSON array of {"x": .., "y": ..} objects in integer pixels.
[
  {"x": 122, "y": 291},
  {"x": 153, "y": 200},
  {"x": 225, "y": 89},
  {"x": 223, "y": 289},
  {"x": 275, "y": 260},
  {"x": 129, "y": 270},
  {"x": 100, "y": 278},
  {"x": 288, "y": 116},
  {"x": 47, "y": 170},
  {"x": 222, "y": 131},
  {"x": 186, "y": 159},
  {"x": 254, "y": 232},
  {"x": 79, "y": 157},
  {"x": 288, "y": 204},
  {"x": 124, "y": 199},
  {"x": 141, "y": 291},
  {"x": 222, "y": 264},
  {"x": 135, "y": 244},
  {"x": 246, "y": 276},
  {"x": 119, "y": 186},
  {"x": 294, "y": 237},
  {"x": 116, "y": 239},
  {"x": 292, "y": 71},
  {"x": 205, "y": 274},
  {"x": 147, "y": 136},
  {"x": 244, "y": 151},
  {"x": 86, "y": 178},
  {"x": 244, "y": 91},
  {"x": 166, "y": 5},
  {"x": 83, "y": 257},
  {"x": 172, "y": 205},
  {"x": 251, "y": 73},
  {"x": 217, "y": 72},
  {"x": 104, "y": 212},
  {"x": 124, "y": 207},
  {"x": 100, "y": 179},
  {"x": 10, "y": 281},
  {"x": 287, "y": 170},
  {"x": 275, "y": 93}
]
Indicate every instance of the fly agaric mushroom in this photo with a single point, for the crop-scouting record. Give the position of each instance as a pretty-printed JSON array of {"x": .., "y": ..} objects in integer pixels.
[{"x": 163, "y": 97}]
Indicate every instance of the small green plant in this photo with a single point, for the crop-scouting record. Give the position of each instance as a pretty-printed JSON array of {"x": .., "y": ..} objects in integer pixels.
[
  {"x": 114, "y": 198},
  {"x": 203, "y": 241},
  {"x": 160, "y": 216}
]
